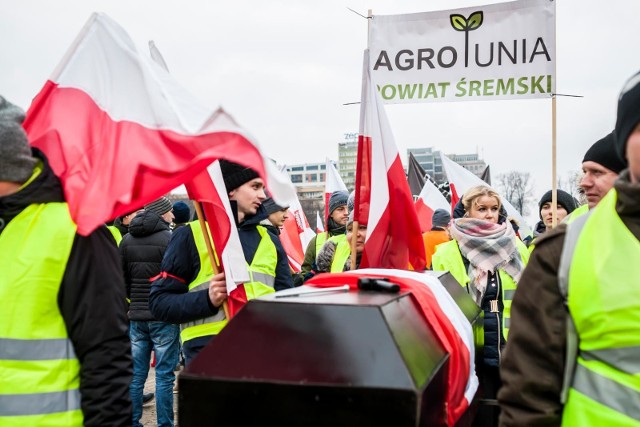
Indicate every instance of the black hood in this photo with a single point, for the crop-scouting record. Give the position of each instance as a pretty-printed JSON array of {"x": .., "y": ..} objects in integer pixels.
[
  {"x": 147, "y": 223},
  {"x": 45, "y": 188},
  {"x": 253, "y": 220}
]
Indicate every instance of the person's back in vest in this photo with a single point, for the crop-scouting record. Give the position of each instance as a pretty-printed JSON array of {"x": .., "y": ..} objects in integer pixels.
[
  {"x": 142, "y": 250},
  {"x": 70, "y": 312},
  {"x": 189, "y": 293},
  {"x": 582, "y": 278}
]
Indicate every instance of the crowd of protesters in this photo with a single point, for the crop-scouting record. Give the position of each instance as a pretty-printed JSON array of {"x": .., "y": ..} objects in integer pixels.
[{"x": 561, "y": 317}]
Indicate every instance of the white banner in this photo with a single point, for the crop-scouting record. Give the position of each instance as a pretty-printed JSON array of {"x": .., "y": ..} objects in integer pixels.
[{"x": 498, "y": 51}]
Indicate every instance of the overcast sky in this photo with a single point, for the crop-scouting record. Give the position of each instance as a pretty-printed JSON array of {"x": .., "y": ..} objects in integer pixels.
[{"x": 284, "y": 69}]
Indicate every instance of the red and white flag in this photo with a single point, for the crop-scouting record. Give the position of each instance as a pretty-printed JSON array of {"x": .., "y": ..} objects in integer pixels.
[
  {"x": 296, "y": 232},
  {"x": 333, "y": 182},
  {"x": 208, "y": 188},
  {"x": 429, "y": 200},
  {"x": 120, "y": 132},
  {"x": 445, "y": 320},
  {"x": 383, "y": 199},
  {"x": 461, "y": 180},
  {"x": 319, "y": 224}
]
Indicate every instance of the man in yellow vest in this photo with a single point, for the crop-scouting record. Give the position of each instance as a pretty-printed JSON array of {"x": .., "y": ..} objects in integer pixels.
[
  {"x": 336, "y": 222},
  {"x": 573, "y": 356},
  {"x": 65, "y": 356},
  {"x": 188, "y": 293}
]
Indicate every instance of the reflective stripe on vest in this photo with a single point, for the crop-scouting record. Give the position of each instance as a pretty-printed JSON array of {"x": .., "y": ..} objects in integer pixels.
[
  {"x": 38, "y": 366},
  {"x": 116, "y": 233},
  {"x": 342, "y": 253},
  {"x": 263, "y": 267},
  {"x": 449, "y": 258},
  {"x": 605, "y": 307},
  {"x": 211, "y": 325}
]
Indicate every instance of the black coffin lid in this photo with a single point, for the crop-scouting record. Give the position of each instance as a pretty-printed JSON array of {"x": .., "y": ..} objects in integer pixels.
[{"x": 328, "y": 359}]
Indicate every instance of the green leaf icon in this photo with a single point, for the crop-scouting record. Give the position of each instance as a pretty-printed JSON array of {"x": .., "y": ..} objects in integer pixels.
[
  {"x": 458, "y": 22},
  {"x": 475, "y": 20}
]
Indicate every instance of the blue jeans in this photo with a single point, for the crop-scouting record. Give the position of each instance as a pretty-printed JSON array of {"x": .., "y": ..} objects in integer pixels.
[{"x": 163, "y": 338}]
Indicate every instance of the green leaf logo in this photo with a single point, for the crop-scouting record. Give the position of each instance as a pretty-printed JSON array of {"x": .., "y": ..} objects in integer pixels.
[
  {"x": 475, "y": 20},
  {"x": 458, "y": 22}
]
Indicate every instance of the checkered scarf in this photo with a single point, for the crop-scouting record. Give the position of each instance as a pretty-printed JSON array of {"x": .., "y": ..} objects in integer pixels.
[{"x": 488, "y": 247}]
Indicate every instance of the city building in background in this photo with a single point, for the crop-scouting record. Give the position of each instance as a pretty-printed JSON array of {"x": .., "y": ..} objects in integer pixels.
[
  {"x": 432, "y": 164},
  {"x": 347, "y": 155}
]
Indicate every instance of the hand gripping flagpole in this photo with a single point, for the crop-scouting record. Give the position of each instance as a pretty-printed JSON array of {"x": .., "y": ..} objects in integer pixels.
[{"x": 209, "y": 245}]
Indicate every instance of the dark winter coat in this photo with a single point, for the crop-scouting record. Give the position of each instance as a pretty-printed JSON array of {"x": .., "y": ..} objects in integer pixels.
[
  {"x": 170, "y": 299},
  {"x": 141, "y": 251},
  {"x": 533, "y": 362},
  {"x": 92, "y": 303}
]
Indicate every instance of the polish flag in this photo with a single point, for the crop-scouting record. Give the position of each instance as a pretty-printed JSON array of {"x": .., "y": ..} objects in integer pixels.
[
  {"x": 445, "y": 319},
  {"x": 383, "y": 199},
  {"x": 429, "y": 200},
  {"x": 296, "y": 232},
  {"x": 120, "y": 132},
  {"x": 208, "y": 188},
  {"x": 333, "y": 182},
  {"x": 319, "y": 224},
  {"x": 461, "y": 180}
]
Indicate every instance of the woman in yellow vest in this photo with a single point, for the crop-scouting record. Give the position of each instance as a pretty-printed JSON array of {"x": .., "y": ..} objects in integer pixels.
[
  {"x": 487, "y": 258},
  {"x": 335, "y": 254}
]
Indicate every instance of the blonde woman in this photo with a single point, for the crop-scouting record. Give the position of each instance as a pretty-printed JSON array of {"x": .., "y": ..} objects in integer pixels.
[{"x": 487, "y": 258}]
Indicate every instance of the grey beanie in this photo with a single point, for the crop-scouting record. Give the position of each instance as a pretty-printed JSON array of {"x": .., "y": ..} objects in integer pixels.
[
  {"x": 160, "y": 206},
  {"x": 270, "y": 206},
  {"x": 440, "y": 218},
  {"x": 628, "y": 113},
  {"x": 337, "y": 199},
  {"x": 16, "y": 161}
]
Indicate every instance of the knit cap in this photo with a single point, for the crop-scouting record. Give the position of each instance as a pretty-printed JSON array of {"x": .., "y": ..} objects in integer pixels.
[
  {"x": 270, "y": 206},
  {"x": 603, "y": 152},
  {"x": 160, "y": 206},
  {"x": 16, "y": 161},
  {"x": 337, "y": 199},
  {"x": 181, "y": 212},
  {"x": 440, "y": 218},
  {"x": 235, "y": 175},
  {"x": 564, "y": 199},
  {"x": 628, "y": 113}
]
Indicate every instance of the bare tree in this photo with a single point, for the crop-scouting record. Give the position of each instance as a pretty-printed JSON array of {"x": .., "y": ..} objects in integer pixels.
[
  {"x": 571, "y": 184},
  {"x": 517, "y": 188}
]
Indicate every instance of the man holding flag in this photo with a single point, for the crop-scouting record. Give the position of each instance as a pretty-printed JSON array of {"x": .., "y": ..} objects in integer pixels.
[{"x": 188, "y": 292}]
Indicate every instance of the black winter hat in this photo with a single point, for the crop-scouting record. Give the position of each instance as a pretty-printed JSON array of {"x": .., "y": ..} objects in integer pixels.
[
  {"x": 181, "y": 212},
  {"x": 628, "y": 113},
  {"x": 16, "y": 161},
  {"x": 235, "y": 175},
  {"x": 564, "y": 199},
  {"x": 603, "y": 152}
]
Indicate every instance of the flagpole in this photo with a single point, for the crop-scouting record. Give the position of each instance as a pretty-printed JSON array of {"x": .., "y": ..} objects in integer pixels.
[
  {"x": 355, "y": 226},
  {"x": 554, "y": 184},
  {"x": 209, "y": 245}
]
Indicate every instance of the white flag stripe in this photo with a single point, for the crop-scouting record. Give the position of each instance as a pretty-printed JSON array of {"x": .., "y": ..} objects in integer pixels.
[
  {"x": 235, "y": 265},
  {"x": 433, "y": 198}
]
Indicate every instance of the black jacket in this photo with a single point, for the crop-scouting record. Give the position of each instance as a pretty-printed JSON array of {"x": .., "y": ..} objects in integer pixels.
[
  {"x": 92, "y": 303},
  {"x": 170, "y": 299},
  {"x": 141, "y": 251}
]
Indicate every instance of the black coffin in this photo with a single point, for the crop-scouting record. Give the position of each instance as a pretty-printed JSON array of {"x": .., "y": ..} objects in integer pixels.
[{"x": 332, "y": 359}]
